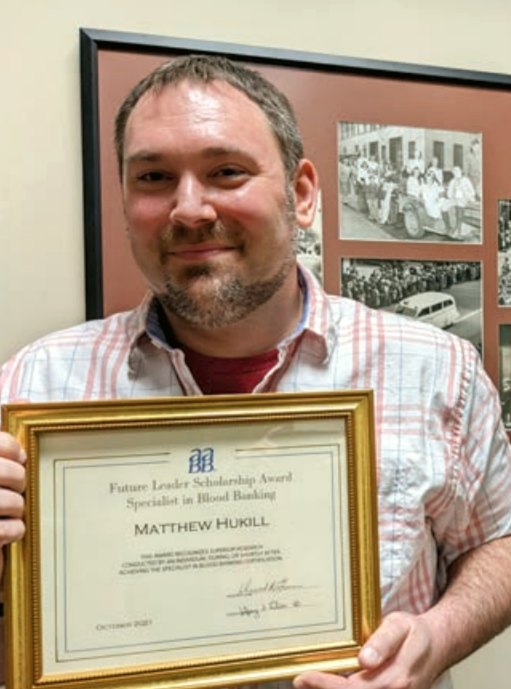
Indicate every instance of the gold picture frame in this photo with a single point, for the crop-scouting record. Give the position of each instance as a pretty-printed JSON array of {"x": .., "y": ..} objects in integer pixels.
[{"x": 193, "y": 542}]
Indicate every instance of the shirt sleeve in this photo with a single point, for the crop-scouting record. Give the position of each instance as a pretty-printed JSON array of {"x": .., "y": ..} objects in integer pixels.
[{"x": 481, "y": 469}]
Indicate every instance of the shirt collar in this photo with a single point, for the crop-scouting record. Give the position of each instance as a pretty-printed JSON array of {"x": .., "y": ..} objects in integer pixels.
[
  {"x": 316, "y": 323},
  {"x": 142, "y": 328}
]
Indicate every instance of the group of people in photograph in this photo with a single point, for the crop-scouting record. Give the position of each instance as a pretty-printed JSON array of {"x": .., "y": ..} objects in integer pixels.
[
  {"x": 391, "y": 281},
  {"x": 379, "y": 189},
  {"x": 505, "y": 282},
  {"x": 504, "y": 234},
  {"x": 504, "y": 238},
  {"x": 505, "y": 400},
  {"x": 309, "y": 251}
]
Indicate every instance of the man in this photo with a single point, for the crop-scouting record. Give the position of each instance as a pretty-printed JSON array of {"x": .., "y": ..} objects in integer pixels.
[
  {"x": 474, "y": 168},
  {"x": 461, "y": 193},
  {"x": 214, "y": 185}
]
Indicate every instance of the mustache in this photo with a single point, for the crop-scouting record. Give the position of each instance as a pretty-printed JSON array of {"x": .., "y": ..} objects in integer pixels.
[{"x": 183, "y": 234}]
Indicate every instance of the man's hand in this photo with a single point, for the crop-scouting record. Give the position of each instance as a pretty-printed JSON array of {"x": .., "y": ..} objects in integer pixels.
[
  {"x": 12, "y": 484},
  {"x": 411, "y": 651},
  {"x": 399, "y": 655}
]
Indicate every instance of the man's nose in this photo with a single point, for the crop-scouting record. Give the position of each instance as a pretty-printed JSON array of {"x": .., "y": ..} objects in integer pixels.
[{"x": 191, "y": 203}]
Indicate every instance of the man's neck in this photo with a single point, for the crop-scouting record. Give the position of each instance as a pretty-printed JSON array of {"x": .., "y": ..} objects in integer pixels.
[{"x": 261, "y": 331}]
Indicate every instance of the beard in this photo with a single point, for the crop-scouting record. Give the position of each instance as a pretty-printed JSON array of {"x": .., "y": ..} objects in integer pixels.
[{"x": 224, "y": 297}]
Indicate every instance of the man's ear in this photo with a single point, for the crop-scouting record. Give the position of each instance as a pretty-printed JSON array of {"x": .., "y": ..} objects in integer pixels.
[{"x": 305, "y": 187}]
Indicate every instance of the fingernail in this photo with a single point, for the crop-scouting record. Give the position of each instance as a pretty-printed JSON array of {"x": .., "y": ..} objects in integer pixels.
[
  {"x": 23, "y": 456},
  {"x": 370, "y": 656}
]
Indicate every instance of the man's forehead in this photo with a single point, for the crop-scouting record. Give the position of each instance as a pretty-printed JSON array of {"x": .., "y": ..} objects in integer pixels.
[
  {"x": 196, "y": 96},
  {"x": 215, "y": 109}
]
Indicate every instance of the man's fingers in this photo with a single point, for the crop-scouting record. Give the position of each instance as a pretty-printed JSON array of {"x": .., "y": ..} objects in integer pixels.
[
  {"x": 385, "y": 642},
  {"x": 383, "y": 645},
  {"x": 11, "y": 530},
  {"x": 11, "y": 504},
  {"x": 11, "y": 449},
  {"x": 319, "y": 680},
  {"x": 12, "y": 475},
  {"x": 12, "y": 460},
  {"x": 12, "y": 484}
]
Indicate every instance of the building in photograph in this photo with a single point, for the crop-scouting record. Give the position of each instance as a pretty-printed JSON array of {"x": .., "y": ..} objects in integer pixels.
[{"x": 409, "y": 146}]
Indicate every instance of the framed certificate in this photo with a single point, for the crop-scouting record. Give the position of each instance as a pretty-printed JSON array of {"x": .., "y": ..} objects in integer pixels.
[{"x": 193, "y": 542}]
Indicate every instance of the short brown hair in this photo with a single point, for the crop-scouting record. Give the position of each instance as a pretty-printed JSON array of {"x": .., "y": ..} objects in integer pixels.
[{"x": 208, "y": 68}]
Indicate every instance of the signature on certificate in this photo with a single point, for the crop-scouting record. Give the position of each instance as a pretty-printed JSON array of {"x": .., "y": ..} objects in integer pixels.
[
  {"x": 269, "y": 606},
  {"x": 250, "y": 588},
  {"x": 267, "y": 597}
]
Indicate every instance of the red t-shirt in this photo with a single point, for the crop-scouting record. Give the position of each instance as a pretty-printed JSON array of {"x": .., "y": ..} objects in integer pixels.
[{"x": 217, "y": 375}]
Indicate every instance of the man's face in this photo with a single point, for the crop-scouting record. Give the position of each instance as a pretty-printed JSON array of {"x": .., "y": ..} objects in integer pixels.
[{"x": 210, "y": 215}]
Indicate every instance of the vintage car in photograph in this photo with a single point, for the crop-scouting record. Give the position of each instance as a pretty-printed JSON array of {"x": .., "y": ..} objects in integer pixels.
[
  {"x": 417, "y": 221},
  {"x": 435, "y": 308}
]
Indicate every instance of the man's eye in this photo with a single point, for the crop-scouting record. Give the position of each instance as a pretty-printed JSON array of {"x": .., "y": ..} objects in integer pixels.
[
  {"x": 153, "y": 176},
  {"x": 229, "y": 172}
]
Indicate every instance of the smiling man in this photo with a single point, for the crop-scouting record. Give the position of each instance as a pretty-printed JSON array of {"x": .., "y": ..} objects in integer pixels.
[
  {"x": 215, "y": 185},
  {"x": 201, "y": 193}
]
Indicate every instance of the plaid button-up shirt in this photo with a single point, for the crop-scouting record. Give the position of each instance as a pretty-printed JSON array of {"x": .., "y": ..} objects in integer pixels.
[{"x": 444, "y": 469}]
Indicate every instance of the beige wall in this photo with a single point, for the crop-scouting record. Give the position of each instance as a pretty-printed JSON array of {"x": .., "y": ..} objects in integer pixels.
[{"x": 41, "y": 249}]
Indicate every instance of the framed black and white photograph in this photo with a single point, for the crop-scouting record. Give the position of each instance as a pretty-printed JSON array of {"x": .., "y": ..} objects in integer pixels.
[
  {"x": 505, "y": 373},
  {"x": 446, "y": 294},
  {"x": 409, "y": 184},
  {"x": 504, "y": 235}
]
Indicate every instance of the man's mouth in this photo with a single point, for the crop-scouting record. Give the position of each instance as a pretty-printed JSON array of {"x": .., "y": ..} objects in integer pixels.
[{"x": 199, "y": 252}]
